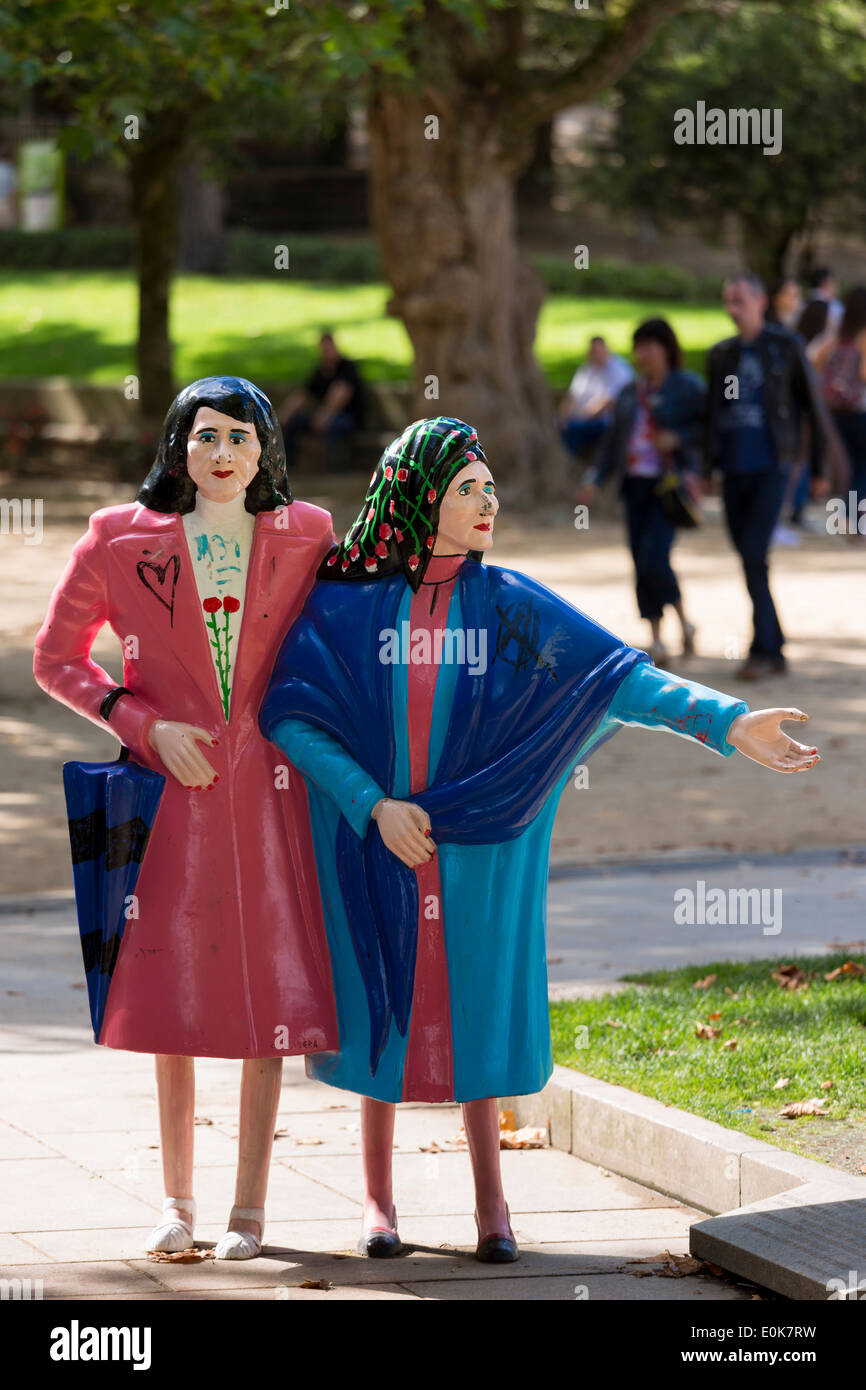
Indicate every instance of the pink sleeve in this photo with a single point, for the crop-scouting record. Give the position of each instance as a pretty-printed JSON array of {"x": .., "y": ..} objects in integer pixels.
[{"x": 62, "y": 664}]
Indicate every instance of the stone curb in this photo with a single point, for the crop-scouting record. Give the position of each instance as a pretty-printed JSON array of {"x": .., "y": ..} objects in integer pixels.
[{"x": 692, "y": 1160}]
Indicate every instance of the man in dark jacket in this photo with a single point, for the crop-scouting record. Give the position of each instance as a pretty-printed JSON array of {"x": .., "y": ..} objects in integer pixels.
[
  {"x": 761, "y": 388},
  {"x": 329, "y": 404}
]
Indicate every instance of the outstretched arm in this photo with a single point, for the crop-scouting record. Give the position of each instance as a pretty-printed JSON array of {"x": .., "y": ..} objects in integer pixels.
[{"x": 656, "y": 699}]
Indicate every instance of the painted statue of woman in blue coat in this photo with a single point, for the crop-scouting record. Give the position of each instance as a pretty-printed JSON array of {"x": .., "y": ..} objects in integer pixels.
[{"x": 436, "y": 707}]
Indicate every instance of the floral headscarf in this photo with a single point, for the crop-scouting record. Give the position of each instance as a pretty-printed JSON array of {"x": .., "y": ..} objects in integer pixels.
[{"x": 397, "y": 527}]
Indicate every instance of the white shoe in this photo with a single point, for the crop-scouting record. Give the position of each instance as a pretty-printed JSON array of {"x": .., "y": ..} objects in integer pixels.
[
  {"x": 242, "y": 1245},
  {"x": 174, "y": 1235}
]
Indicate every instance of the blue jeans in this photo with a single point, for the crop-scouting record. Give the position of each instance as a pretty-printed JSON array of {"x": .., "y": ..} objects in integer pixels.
[
  {"x": 339, "y": 427},
  {"x": 578, "y": 435},
  {"x": 753, "y": 502},
  {"x": 650, "y": 536}
]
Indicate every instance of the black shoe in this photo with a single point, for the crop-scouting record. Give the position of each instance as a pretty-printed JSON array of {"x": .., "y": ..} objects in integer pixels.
[
  {"x": 380, "y": 1243},
  {"x": 496, "y": 1249}
]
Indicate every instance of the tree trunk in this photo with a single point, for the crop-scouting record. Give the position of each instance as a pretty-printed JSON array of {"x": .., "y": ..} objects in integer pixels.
[
  {"x": 444, "y": 214},
  {"x": 766, "y": 244},
  {"x": 202, "y": 217},
  {"x": 154, "y": 164}
]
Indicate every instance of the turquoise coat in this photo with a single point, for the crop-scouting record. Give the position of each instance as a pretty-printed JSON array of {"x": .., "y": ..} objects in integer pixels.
[{"x": 493, "y": 895}]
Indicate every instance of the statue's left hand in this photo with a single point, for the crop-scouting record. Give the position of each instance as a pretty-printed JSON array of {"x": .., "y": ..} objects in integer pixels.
[{"x": 758, "y": 736}]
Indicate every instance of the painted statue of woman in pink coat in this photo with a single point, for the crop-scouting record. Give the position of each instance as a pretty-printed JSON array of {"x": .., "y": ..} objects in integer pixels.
[{"x": 199, "y": 578}]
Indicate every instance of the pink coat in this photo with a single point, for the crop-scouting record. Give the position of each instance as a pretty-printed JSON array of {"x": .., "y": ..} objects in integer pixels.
[{"x": 228, "y": 956}]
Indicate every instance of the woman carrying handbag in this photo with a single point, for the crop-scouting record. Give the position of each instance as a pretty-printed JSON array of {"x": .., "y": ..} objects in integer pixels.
[{"x": 651, "y": 446}]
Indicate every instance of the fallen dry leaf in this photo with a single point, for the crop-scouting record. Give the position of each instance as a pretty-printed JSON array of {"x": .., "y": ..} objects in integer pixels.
[
  {"x": 180, "y": 1257},
  {"x": 703, "y": 1030},
  {"x": 525, "y": 1138},
  {"x": 315, "y": 1284},
  {"x": 790, "y": 977},
  {"x": 782, "y": 1082},
  {"x": 850, "y": 970},
  {"x": 827, "y": 1085},
  {"x": 672, "y": 1266},
  {"x": 201, "y": 1120},
  {"x": 507, "y": 1119},
  {"x": 705, "y": 982},
  {"x": 612, "y": 1023},
  {"x": 815, "y": 1106},
  {"x": 431, "y": 1148},
  {"x": 731, "y": 1043},
  {"x": 714, "y": 1016}
]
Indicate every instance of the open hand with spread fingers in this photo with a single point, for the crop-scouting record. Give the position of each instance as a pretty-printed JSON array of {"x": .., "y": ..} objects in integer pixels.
[{"x": 758, "y": 736}]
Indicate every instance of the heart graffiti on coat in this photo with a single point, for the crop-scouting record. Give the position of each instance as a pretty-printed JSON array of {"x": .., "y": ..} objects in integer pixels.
[{"x": 153, "y": 577}]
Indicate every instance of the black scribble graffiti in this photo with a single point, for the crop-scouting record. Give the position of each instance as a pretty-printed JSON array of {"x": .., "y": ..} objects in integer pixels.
[
  {"x": 150, "y": 574},
  {"x": 517, "y": 638}
]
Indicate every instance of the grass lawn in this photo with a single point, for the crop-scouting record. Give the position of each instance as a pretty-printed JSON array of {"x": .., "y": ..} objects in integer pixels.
[
  {"x": 646, "y": 1038},
  {"x": 82, "y": 324}
]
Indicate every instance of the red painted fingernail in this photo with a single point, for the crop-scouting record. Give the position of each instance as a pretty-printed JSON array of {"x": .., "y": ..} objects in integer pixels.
[{"x": 426, "y": 832}]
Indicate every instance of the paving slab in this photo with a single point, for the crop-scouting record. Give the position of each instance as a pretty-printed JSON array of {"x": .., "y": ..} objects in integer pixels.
[
  {"x": 804, "y": 1244},
  {"x": 75, "y": 1280},
  {"x": 659, "y": 1223},
  {"x": 592, "y": 1288},
  {"x": 17, "y": 1250},
  {"x": 282, "y": 1293},
  {"x": 54, "y": 1192}
]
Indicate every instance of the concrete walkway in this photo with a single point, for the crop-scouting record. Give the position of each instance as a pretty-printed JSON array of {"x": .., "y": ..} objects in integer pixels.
[
  {"x": 79, "y": 1158},
  {"x": 82, "y": 1187}
]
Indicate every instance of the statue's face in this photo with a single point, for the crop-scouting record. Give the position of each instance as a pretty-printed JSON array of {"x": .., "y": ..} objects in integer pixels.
[
  {"x": 222, "y": 454},
  {"x": 468, "y": 512}
]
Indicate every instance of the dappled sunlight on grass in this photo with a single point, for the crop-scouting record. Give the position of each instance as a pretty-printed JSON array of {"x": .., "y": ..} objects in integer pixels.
[{"x": 83, "y": 325}]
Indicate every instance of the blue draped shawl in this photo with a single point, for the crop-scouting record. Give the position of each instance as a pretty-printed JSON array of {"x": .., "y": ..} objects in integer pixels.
[{"x": 551, "y": 673}]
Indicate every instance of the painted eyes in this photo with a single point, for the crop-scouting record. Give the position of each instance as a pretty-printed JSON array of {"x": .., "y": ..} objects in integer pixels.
[
  {"x": 208, "y": 437},
  {"x": 465, "y": 489}
]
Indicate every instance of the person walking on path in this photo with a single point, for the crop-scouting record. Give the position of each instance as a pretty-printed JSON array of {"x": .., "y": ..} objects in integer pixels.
[
  {"x": 841, "y": 364},
  {"x": 657, "y": 417},
  {"x": 761, "y": 388}
]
